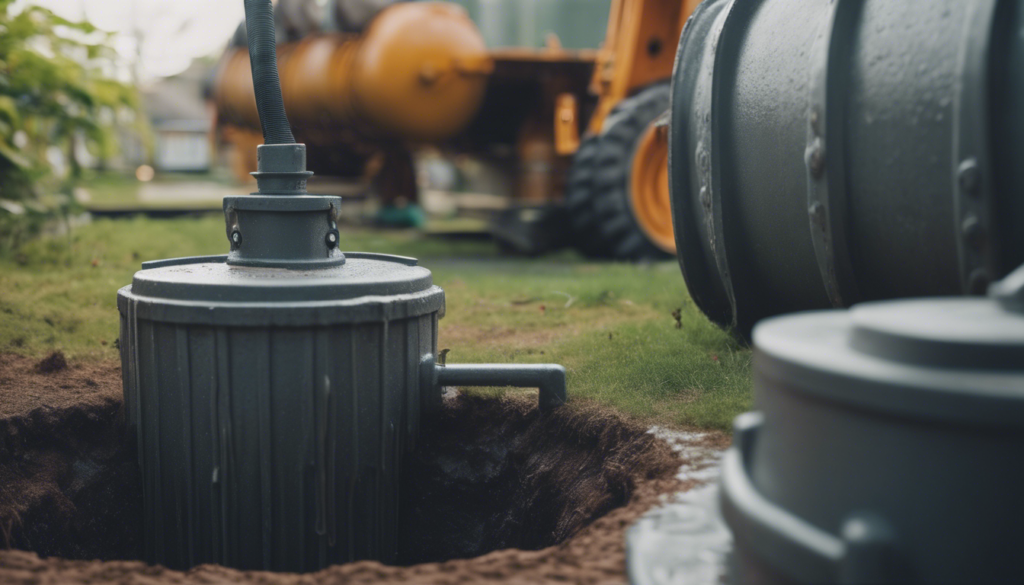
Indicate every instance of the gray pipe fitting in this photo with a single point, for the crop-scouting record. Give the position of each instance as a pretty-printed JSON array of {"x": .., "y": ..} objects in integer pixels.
[{"x": 549, "y": 379}]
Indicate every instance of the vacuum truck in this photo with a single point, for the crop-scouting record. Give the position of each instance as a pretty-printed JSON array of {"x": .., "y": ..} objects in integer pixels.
[{"x": 561, "y": 97}]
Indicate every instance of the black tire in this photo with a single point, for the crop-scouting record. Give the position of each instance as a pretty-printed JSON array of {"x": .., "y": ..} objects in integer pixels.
[
  {"x": 598, "y": 184},
  {"x": 577, "y": 196}
]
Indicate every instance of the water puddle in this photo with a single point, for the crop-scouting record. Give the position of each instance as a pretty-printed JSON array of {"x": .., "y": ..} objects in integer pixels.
[{"x": 684, "y": 541}]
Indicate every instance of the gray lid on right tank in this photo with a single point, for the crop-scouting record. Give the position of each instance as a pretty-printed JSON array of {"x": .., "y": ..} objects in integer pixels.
[{"x": 950, "y": 359}]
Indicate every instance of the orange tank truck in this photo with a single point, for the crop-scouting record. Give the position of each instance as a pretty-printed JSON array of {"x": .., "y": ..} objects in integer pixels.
[{"x": 417, "y": 74}]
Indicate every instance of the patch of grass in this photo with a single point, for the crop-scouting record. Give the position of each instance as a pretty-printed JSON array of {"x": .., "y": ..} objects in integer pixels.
[
  {"x": 61, "y": 292},
  {"x": 110, "y": 191},
  {"x": 618, "y": 339},
  {"x": 691, "y": 377},
  {"x": 611, "y": 325}
]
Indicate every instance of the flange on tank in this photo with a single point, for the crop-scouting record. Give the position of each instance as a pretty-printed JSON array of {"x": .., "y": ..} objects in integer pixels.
[
  {"x": 274, "y": 392},
  {"x": 886, "y": 445}
]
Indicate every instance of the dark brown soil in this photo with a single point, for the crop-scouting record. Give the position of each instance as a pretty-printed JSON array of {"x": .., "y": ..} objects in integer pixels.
[
  {"x": 24, "y": 388},
  {"x": 55, "y": 362},
  {"x": 516, "y": 496},
  {"x": 68, "y": 486},
  {"x": 496, "y": 474}
]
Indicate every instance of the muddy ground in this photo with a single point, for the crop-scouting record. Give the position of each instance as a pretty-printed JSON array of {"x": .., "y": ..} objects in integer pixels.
[{"x": 504, "y": 493}]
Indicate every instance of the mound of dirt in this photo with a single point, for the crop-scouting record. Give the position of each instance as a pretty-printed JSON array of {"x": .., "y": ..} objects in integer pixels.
[
  {"x": 55, "y": 362},
  {"x": 24, "y": 387},
  {"x": 69, "y": 484},
  {"x": 498, "y": 492}
]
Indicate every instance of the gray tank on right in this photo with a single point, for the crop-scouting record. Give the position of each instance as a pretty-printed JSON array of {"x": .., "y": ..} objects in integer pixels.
[
  {"x": 828, "y": 153},
  {"x": 885, "y": 446}
]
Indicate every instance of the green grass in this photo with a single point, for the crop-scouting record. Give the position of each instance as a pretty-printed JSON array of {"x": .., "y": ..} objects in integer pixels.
[
  {"x": 609, "y": 324},
  {"x": 112, "y": 190}
]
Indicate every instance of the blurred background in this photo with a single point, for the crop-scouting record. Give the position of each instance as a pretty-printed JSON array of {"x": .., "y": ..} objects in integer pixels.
[
  {"x": 99, "y": 98},
  {"x": 477, "y": 118},
  {"x": 125, "y": 107}
]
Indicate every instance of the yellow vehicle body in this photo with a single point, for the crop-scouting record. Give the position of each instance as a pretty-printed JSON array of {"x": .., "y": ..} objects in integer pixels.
[{"x": 639, "y": 49}]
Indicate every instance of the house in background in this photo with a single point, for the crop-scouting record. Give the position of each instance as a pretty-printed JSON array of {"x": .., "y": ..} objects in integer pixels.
[{"x": 182, "y": 118}]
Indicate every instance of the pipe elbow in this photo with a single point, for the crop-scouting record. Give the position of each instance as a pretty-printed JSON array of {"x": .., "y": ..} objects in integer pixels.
[
  {"x": 552, "y": 386},
  {"x": 549, "y": 379}
]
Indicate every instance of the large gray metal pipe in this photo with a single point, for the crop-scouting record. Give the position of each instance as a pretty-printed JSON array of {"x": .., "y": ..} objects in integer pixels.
[{"x": 826, "y": 153}]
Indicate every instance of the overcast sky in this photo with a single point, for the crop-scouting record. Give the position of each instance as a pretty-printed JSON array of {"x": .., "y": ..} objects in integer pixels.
[{"x": 173, "y": 31}]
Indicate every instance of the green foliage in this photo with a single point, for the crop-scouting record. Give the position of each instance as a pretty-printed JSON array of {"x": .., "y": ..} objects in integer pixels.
[{"x": 54, "y": 92}]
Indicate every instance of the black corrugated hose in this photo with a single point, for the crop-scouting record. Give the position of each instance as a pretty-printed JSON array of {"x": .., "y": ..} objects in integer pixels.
[{"x": 259, "y": 21}]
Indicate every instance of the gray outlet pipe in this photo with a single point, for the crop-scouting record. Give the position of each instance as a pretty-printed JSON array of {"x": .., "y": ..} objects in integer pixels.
[
  {"x": 548, "y": 378},
  {"x": 259, "y": 23}
]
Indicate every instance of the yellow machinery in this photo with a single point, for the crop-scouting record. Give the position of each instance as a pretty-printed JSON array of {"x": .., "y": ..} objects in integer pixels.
[
  {"x": 574, "y": 127},
  {"x": 617, "y": 192},
  {"x": 417, "y": 73}
]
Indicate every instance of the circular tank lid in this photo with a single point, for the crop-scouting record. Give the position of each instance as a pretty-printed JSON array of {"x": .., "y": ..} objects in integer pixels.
[
  {"x": 209, "y": 278},
  {"x": 955, "y": 359},
  {"x": 970, "y": 333}
]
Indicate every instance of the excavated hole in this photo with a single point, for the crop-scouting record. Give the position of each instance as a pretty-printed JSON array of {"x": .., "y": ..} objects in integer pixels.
[{"x": 490, "y": 474}]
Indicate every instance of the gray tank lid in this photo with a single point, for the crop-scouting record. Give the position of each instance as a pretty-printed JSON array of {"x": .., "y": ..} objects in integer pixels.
[
  {"x": 210, "y": 279},
  {"x": 941, "y": 333},
  {"x": 954, "y": 359}
]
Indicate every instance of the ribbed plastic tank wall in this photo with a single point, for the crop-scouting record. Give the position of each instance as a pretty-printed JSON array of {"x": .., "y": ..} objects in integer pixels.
[{"x": 273, "y": 407}]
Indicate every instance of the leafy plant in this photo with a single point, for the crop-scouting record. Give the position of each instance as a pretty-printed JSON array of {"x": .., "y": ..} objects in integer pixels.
[{"x": 56, "y": 92}]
